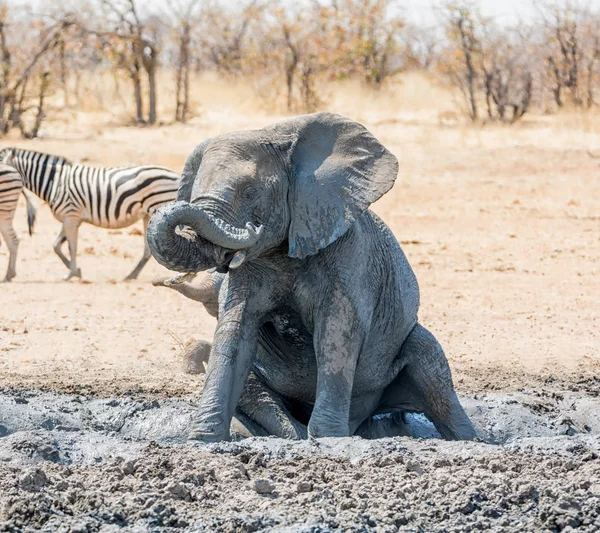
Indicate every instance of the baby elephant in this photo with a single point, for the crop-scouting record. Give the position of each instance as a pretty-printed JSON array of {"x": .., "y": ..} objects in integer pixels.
[{"x": 319, "y": 301}]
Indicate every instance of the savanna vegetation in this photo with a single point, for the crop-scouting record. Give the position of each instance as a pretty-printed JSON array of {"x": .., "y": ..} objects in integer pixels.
[{"x": 71, "y": 56}]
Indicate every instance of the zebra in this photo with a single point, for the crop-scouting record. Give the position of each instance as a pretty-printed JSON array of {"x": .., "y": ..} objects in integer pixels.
[
  {"x": 105, "y": 197},
  {"x": 11, "y": 187}
]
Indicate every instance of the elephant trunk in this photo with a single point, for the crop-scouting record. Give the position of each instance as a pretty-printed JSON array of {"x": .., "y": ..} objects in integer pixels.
[{"x": 180, "y": 250}]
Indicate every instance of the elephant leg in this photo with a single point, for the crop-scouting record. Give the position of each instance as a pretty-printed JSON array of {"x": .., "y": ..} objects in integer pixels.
[
  {"x": 258, "y": 404},
  {"x": 425, "y": 385},
  {"x": 206, "y": 292},
  {"x": 142, "y": 263},
  {"x": 266, "y": 408},
  {"x": 71, "y": 229},
  {"x": 12, "y": 242},
  {"x": 380, "y": 427},
  {"x": 361, "y": 410},
  {"x": 337, "y": 344},
  {"x": 234, "y": 347}
]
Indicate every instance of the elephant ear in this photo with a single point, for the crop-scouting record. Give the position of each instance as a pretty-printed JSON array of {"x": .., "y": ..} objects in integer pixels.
[
  {"x": 338, "y": 170},
  {"x": 190, "y": 172}
]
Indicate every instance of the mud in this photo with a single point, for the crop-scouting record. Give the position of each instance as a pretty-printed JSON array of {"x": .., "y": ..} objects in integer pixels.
[{"x": 75, "y": 463}]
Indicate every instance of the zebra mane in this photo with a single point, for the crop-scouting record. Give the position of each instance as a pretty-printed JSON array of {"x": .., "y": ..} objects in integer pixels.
[{"x": 56, "y": 159}]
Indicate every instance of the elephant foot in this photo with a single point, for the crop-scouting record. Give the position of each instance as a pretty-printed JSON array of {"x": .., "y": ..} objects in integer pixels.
[
  {"x": 323, "y": 428},
  {"x": 206, "y": 435},
  {"x": 76, "y": 274},
  {"x": 207, "y": 431}
]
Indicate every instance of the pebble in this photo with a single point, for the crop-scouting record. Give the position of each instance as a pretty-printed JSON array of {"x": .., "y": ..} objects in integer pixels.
[
  {"x": 263, "y": 486},
  {"x": 304, "y": 486},
  {"x": 33, "y": 480}
]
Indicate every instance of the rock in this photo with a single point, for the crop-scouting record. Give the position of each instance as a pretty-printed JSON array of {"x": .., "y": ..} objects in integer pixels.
[
  {"x": 347, "y": 504},
  {"x": 263, "y": 486},
  {"x": 304, "y": 486},
  {"x": 179, "y": 491},
  {"x": 61, "y": 486},
  {"x": 128, "y": 467},
  {"x": 414, "y": 466},
  {"x": 33, "y": 480}
]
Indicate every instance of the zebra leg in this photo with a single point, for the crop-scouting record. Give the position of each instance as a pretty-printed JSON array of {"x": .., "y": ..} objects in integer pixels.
[
  {"x": 71, "y": 227},
  {"x": 12, "y": 242},
  {"x": 60, "y": 240},
  {"x": 136, "y": 271}
]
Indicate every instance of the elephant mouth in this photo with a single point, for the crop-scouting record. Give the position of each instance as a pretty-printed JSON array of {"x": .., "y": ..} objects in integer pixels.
[{"x": 191, "y": 238}]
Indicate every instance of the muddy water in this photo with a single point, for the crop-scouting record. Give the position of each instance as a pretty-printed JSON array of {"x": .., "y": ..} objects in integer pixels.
[{"x": 76, "y": 463}]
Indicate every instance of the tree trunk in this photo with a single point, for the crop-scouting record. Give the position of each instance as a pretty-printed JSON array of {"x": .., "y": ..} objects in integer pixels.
[
  {"x": 152, "y": 96},
  {"x": 148, "y": 59},
  {"x": 137, "y": 92},
  {"x": 183, "y": 76},
  {"x": 186, "y": 91},
  {"x": 44, "y": 83},
  {"x": 290, "y": 72},
  {"x": 63, "y": 71},
  {"x": 590, "y": 82},
  {"x": 178, "y": 91},
  {"x": 4, "y": 96},
  {"x": 471, "y": 86}
]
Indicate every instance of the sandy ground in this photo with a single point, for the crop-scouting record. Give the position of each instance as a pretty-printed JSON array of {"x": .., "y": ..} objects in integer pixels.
[{"x": 502, "y": 228}]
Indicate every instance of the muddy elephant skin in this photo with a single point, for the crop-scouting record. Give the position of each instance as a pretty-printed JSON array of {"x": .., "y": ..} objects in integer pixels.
[{"x": 284, "y": 212}]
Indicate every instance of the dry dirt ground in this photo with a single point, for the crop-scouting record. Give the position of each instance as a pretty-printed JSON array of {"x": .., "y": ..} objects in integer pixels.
[{"x": 502, "y": 228}]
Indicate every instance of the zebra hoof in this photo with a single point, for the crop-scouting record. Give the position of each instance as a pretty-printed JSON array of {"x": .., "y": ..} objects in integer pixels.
[{"x": 76, "y": 274}]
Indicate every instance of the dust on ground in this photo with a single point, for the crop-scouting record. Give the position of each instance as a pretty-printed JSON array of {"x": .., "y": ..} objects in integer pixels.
[{"x": 502, "y": 228}]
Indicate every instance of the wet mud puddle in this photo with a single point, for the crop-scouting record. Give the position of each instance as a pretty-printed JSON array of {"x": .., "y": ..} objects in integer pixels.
[
  {"x": 75, "y": 463},
  {"x": 90, "y": 430}
]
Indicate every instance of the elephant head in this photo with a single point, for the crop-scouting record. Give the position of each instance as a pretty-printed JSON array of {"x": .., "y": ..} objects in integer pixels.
[{"x": 299, "y": 184}]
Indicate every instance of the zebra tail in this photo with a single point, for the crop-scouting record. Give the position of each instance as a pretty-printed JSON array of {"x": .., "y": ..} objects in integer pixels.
[{"x": 31, "y": 211}]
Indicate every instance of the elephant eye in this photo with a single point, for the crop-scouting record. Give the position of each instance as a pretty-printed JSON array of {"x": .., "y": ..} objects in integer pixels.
[{"x": 249, "y": 192}]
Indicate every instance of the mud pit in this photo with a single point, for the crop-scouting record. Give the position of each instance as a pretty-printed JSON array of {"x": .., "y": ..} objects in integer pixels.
[{"x": 76, "y": 463}]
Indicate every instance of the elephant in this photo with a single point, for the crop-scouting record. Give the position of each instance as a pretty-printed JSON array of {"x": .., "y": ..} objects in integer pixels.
[{"x": 313, "y": 277}]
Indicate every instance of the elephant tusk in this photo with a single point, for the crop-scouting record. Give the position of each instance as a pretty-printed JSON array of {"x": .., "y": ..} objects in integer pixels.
[
  {"x": 179, "y": 279},
  {"x": 238, "y": 259},
  {"x": 255, "y": 232}
]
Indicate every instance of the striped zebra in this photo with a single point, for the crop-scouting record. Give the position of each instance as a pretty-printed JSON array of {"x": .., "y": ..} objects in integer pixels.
[
  {"x": 104, "y": 197},
  {"x": 11, "y": 187}
]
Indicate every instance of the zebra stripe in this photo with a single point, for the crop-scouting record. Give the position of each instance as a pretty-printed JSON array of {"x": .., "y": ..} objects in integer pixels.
[
  {"x": 11, "y": 186},
  {"x": 104, "y": 197}
]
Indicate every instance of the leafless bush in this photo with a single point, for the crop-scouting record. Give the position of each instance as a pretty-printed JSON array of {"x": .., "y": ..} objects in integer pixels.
[
  {"x": 26, "y": 69},
  {"x": 287, "y": 51}
]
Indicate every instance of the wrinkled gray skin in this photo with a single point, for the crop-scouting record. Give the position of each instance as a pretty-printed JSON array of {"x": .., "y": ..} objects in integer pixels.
[
  {"x": 319, "y": 281},
  {"x": 262, "y": 407}
]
